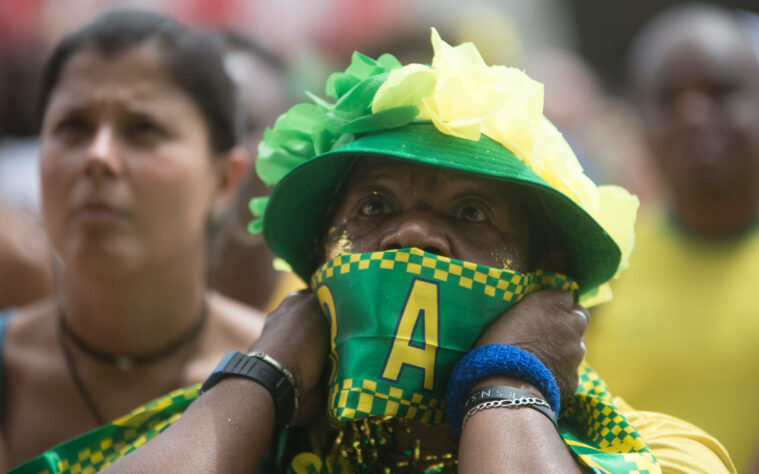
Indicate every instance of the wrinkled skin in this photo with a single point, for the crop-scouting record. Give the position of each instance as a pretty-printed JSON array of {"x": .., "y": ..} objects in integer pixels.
[
  {"x": 388, "y": 205},
  {"x": 547, "y": 325}
]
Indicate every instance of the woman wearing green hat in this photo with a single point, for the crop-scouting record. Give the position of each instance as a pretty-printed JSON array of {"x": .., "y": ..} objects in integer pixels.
[{"x": 428, "y": 207}]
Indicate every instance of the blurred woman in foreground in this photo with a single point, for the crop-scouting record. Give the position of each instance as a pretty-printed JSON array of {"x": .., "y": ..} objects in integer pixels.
[{"x": 138, "y": 148}]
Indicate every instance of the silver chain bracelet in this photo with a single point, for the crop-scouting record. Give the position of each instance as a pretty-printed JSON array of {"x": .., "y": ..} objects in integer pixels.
[{"x": 505, "y": 403}]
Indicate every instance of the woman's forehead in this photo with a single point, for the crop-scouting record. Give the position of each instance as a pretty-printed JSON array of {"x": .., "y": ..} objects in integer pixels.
[
  {"x": 135, "y": 79},
  {"x": 140, "y": 71}
]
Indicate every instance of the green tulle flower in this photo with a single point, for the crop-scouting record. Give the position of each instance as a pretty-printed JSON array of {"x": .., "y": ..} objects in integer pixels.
[{"x": 310, "y": 129}]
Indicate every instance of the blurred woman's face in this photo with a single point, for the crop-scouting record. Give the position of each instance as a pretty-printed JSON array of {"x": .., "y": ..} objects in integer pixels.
[{"x": 126, "y": 165}]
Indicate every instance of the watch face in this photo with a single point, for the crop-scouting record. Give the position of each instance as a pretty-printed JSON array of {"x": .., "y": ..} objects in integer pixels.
[{"x": 268, "y": 373}]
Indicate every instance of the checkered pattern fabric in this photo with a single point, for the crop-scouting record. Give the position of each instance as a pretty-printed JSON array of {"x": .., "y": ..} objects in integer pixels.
[
  {"x": 362, "y": 398},
  {"x": 600, "y": 433},
  {"x": 596, "y": 433},
  {"x": 355, "y": 397},
  {"x": 98, "y": 449},
  {"x": 493, "y": 282}
]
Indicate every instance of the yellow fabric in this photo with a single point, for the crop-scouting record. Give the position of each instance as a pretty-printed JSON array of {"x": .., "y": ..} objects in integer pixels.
[
  {"x": 678, "y": 446},
  {"x": 682, "y": 333},
  {"x": 287, "y": 283}
]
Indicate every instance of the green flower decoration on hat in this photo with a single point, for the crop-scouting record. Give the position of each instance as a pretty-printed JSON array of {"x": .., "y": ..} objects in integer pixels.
[
  {"x": 308, "y": 130},
  {"x": 463, "y": 98}
]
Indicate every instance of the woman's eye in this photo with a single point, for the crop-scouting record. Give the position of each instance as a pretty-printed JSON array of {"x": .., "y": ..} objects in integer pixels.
[
  {"x": 72, "y": 125},
  {"x": 73, "y": 130},
  {"x": 375, "y": 207},
  {"x": 142, "y": 130},
  {"x": 144, "y": 127},
  {"x": 471, "y": 213}
]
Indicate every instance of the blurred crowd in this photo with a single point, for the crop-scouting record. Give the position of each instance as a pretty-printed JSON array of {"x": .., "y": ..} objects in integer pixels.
[
  {"x": 682, "y": 333},
  {"x": 286, "y": 57}
]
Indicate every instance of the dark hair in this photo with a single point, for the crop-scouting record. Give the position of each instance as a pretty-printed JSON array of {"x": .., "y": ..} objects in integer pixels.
[
  {"x": 193, "y": 59},
  {"x": 672, "y": 23}
]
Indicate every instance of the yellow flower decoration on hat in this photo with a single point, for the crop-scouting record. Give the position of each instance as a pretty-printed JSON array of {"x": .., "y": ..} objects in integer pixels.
[{"x": 464, "y": 97}]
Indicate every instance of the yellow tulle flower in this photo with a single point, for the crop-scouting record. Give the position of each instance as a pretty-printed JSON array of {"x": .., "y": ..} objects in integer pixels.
[{"x": 464, "y": 97}]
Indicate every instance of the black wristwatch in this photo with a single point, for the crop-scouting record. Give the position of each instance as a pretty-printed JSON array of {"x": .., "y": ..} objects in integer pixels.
[{"x": 266, "y": 371}]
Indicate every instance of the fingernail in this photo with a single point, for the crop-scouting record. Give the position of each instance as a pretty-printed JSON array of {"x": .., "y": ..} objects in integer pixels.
[{"x": 582, "y": 314}]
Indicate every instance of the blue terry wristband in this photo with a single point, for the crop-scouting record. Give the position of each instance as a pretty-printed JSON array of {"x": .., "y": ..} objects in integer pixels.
[{"x": 496, "y": 359}]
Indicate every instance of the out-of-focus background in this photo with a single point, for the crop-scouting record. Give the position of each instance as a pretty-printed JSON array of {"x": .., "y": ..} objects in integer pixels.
[{"x": 577, "y": 48}]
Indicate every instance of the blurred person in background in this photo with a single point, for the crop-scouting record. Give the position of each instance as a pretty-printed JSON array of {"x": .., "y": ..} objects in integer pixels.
[
  {"x": 26, "y": 261},
  {"x": 603, "y": 130},
  {"x": 22, "y": 49},
  {"x": 241, "y": 264},
  {"x": 682, "y": 334},
  {"x": 139, "y": 144},
  {"x": 573, "y": 100}
]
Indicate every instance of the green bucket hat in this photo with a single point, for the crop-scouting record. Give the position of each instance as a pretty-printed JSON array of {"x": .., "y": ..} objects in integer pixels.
[{"x": 406, "y": 113}]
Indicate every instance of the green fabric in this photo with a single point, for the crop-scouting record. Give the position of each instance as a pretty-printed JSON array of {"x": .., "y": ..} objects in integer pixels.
[
  {"x": 433, "y": 308},
  {"x": 307, "y": 130},
  {"x": 369, "y": 298},
  {"x": 105, "y": 445},
  {"x": 312, "y": 147},
  {"x": 599, "y": 436},
  {"x": 401, "y": 319},
  {"x": 443, "y": 304},
  {"x": 297, "y": 210}
]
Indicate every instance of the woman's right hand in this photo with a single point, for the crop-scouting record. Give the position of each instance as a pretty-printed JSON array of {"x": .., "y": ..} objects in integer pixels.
[{"x": 296, "y": 335}]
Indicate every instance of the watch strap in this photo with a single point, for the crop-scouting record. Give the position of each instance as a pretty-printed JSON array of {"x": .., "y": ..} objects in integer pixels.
[{"x": 266, "y": 371}]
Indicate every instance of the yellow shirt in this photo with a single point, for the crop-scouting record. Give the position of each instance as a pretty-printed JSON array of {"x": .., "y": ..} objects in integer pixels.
[
  {"x": 678, "y": 446},
  {"x": 682, "y": 333},
  {"x": 287, "y": 283}
]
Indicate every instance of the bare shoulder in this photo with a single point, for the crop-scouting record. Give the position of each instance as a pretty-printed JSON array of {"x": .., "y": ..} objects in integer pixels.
[
  {"x": 32, "y": 326},
  {"x": 239, "y": 324},
  {"x": 232, "y": 326},
  {"x": 30, "y": 349},
  {"x": 25, "y": 258}
]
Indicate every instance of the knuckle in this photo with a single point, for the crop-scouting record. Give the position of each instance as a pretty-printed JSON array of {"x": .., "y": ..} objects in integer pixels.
[{"x": 561, "y": 300}]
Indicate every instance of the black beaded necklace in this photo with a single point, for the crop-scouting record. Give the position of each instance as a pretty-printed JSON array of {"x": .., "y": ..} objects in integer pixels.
[
  {"x": 127, "y": 362},
  {"x": 123, "y": 362}
]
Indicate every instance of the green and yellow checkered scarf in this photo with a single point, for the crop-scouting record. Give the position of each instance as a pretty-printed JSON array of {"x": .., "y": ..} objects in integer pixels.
[
  {"x": 431, "y": 302},
  {"x": 597, "y": 433},
  {"x": 599, "y": 436},
  {"x": 105, "y": 445},
  {"x": 401, "y": 319}
]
